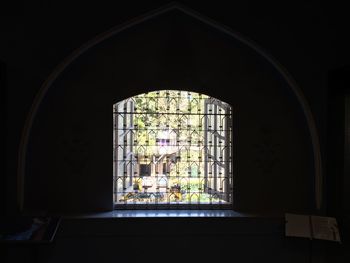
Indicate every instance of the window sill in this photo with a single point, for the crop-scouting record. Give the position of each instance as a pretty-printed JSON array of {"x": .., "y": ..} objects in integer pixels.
[
  {"x": 136, "y": 223},
  {"x": 171, "y": 214}
]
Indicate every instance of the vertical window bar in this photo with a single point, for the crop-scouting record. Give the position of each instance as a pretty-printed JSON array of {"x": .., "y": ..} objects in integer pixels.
[
  {"x": 215, "y": 148},
  {"x": 206, "y": 147}
]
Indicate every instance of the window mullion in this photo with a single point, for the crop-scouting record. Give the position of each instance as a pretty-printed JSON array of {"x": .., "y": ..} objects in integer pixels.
[{"x": 214, "y": 131}]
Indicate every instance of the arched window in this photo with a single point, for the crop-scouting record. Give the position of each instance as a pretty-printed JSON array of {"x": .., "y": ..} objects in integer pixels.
[{"x": 172, "y": 148}]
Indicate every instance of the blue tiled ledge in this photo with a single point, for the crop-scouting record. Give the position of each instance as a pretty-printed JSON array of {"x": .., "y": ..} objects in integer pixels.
[{"x": 163, "y": 213}]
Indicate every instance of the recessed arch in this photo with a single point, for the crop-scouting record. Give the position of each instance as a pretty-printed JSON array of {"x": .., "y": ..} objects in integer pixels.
[{"x": 317, "y": 164}]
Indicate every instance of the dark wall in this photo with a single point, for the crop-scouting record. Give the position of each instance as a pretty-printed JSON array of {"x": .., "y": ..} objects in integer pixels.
[
  {"x": 34, "y": 48},
  {"x": 306, "y": 38},
  {"x": 69, "y": 160},
  {"x": 338, "y": 142},
  {"x": 3, "y": 90}
]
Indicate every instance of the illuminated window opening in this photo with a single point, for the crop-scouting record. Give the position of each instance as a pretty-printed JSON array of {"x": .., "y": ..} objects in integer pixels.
[{"x": 172, "y": 149}]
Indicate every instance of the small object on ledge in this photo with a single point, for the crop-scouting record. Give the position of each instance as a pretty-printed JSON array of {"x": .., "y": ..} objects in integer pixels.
[
  {"x": 28, "y": 229},
  {"x": 312, "y": 227}
]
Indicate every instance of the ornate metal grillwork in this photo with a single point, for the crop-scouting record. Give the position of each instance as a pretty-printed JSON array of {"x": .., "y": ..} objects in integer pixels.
[{"x": 172, "y": 148}]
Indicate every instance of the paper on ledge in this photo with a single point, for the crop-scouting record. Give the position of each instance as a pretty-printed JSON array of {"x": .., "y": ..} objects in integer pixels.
[{"x": 313, "y": 227}]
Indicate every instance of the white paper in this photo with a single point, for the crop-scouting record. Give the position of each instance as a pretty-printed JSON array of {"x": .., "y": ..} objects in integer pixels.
[
  {"x": 325, "y": 228},
  {"x": 313, "y": 227}
]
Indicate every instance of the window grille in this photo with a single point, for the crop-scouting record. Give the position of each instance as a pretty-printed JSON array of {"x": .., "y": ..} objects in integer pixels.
[{"x": 172, "y": 149}]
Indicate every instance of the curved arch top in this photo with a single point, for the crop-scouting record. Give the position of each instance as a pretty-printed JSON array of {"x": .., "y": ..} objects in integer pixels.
[{"x": 317, "y": 165}]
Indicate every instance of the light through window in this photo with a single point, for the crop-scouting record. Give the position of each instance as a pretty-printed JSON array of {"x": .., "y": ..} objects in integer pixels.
[{"x": 172, "y": 148}]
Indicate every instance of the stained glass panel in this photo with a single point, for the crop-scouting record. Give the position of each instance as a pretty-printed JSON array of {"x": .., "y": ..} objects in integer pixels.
[{"x": 172, "y": 148}]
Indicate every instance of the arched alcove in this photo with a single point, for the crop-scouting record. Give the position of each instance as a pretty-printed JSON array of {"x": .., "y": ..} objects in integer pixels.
[{"x": 66, "y": 152}]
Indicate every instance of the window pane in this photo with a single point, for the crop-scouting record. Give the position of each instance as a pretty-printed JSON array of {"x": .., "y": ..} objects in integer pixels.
[{"x": 172, "y": 147}]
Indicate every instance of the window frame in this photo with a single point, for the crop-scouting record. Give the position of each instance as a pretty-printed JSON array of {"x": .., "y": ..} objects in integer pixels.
[{"x": 230, "y": 151}]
